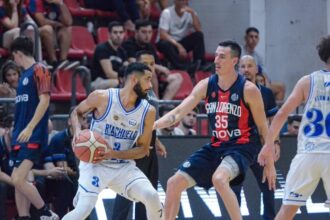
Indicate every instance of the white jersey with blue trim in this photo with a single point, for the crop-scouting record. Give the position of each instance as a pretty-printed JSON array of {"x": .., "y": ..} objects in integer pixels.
[
  {"x": 314, "y": 131},
  {"x": 119, "y": 127}
]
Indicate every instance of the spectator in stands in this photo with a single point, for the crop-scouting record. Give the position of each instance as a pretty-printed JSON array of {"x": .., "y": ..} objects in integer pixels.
[
  {"x": 108, "y": 58},
  {"x": 179, "y": 33},
  {"x": 54, "y": 18},
  {"x": 6, "y": 189},
  {"x": 163, "y": 81},
  {"x": 64, "y": 158},
  {"x": 251, "y": 42},
  {"x": 188, "y": 122},
  {"x": 293, "y": 125},
  {"x": 248, "y": 68},
  {"x": 127, "y": 10},
  {"x": 10, "y": 74}
]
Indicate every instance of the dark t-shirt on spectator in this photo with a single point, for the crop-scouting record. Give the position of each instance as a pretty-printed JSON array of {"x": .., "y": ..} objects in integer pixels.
[
  {"x": 49, "y": 10},
  {"x": 105, "y": 51},
  {"x": 269, "y": 101},
  {"x": 62, "y": 150},
  {"x": 131, "y": 46}
]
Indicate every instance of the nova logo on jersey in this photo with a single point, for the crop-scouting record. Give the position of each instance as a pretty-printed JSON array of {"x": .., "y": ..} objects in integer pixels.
[
  {"x": 22, "y": 98},
  {"x": 120, "y": 133},
  {"x": 225, "y": 133},
  {"x": 224, "y": 107}
]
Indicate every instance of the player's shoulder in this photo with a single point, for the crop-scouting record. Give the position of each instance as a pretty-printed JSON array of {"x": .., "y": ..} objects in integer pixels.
[
  {"x": 99, "y": 94},
  {"x": 250, "y": 87}
]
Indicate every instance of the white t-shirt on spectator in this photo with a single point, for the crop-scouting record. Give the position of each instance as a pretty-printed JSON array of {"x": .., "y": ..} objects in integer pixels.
[{"x": 177, "y": 27}]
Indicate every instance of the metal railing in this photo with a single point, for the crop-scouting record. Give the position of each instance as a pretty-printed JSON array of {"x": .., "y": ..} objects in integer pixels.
[
  {"x": 36, "y": 50},
  {"x": 85, "y": 76}
]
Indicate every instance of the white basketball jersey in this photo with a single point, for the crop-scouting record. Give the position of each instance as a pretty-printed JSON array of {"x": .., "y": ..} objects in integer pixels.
[
  {"x": 119, "y": 127},
  {"x": 314, "y": 131}
]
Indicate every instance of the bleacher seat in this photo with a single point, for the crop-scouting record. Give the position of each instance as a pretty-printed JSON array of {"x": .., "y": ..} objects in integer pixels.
[
  {"x": 82, "y": 40},
  {"x": 186, "y": 86},
  {"x": 77, "y": 11},
  {"x": 199, "y": 75},
  {"x": 102, "y": 34},
  {"x": 61, "y": 90}
]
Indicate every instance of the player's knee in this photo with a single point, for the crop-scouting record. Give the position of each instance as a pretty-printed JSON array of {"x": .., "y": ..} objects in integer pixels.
[
  {"x": 17, "y": 180},
  {"x": 173, "y": 184},
  {"x": 220, "y": 181}
]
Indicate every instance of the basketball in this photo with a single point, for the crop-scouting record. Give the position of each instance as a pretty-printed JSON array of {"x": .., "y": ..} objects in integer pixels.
[{"x": 88, "y": 144}]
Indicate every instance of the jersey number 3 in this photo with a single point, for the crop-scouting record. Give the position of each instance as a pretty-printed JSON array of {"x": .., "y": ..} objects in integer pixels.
[{"x": 316, "y": 126}]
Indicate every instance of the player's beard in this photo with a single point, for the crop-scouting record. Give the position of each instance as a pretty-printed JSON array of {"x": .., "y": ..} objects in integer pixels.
[{"x": 139, "y": 91}]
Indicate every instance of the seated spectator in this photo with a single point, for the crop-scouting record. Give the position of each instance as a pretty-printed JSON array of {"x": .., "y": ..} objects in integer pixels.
[
  {"x": 179, "y": 33},
  {"x": 293, "y": 125},
  {"x": 6, "y": 185},
  {"x": 127, "y": 10},
  {"x": 54, "y": 19},
  {"x": 10, "y": 74},
  {"x": 188, "y": 122},
  {"x": 144, "y": 9},
  {"x": 163, "y": 82},
  {"x": 108, "y": 58},
  {"x": 251, "y": 42}
]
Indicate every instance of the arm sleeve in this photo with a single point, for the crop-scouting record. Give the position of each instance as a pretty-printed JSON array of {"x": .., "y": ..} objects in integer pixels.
[{"x": 42, "y": 78}]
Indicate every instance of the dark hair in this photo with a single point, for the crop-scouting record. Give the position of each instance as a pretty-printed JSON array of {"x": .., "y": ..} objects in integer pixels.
[
  {"x": 23, "y": 44},
  {"x": 293, "y": 118},
  {"x": 136, "y": 68},
  {"x": 251, "y": 29},
  {"x": 9, "y": 64},
  {"x": 234, "y": 46},
  {"x": 324, "y": 49},
  {"x": 114, "y": 24},
  {"x": 143, "y": 52},
  {"x": 142, "y": 23}
]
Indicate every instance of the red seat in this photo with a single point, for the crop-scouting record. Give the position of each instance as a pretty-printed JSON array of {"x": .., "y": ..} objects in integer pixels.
[
  {"x": 199, "y": 75},
  {"x": 106, "y": 14},
  {"x": 102, "y": 34},
  {"x": 78, "y": 11},
  {"x": 61, "y": 91},
  {"x": 209, "y": 57},
  {"x": 83, "y": 40},
  {"x": 4, "y": 52},
  {"x": 186, "y": 86}
]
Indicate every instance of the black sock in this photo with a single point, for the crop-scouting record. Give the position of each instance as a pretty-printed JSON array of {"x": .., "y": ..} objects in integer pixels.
[{"x": 44, "y": 211}]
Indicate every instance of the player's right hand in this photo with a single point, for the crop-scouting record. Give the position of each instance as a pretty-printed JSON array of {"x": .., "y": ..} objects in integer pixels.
[{"x": 269, "y": 174}]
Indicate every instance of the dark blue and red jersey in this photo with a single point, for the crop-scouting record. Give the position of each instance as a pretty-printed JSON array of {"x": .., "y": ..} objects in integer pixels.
[
  {"x": 34, "y": 81},
  {"x": 50, "y": 11},
  {"x": 229, "y": 116}
]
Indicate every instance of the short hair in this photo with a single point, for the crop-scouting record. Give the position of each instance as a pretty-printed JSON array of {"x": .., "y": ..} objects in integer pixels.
[
  {"x": 234, "y": 46},
  {"x": 143, "y": 52},
  {"x": 324, "y": 49},
  {"x": 142, "y": 23},
  {"x": 22, "y": 44},
  {"x": 9, "y": 64},
  {"x": 251, "y": 29},
  {"x": 114, "y": 24},
  {"x": 136, "y": 68},
  {"x": 293, "y": 118}
]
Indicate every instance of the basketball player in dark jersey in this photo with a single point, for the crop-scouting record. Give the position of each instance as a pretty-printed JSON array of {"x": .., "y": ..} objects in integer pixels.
[
  {"x": 30, "y": 132},
  {"x": 236, "y": 115}
]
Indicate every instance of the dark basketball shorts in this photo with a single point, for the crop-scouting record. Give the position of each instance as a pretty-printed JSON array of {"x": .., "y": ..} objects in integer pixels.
[
  {"x": 26, "y": 151},
  {"x": 202, "y": 164}
]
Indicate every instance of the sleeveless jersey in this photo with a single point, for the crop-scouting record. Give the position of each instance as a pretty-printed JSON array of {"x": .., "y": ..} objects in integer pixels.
[
  {"x": 33, "y": 81},
  {"x": 230, "y": 119},
  {"x": 314, "y": 131},
  {"x": 119, "y": 127}
]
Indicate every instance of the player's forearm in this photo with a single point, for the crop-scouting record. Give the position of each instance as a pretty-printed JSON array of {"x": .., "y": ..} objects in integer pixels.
[
  {"x": 166, "y": 121},
  {"x": 76, "y": 126},
  {"x": 132, "y": 154},
  {"x": 275, "y": 127},
  {"x": 40, "y": 172},
  {"x": 40, "y": 111}
]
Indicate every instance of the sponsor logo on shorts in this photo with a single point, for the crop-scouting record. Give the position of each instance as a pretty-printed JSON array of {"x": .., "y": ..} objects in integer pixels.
[
  {"x": 295, "y": 195},
  {"x": 186, "y": 164}
]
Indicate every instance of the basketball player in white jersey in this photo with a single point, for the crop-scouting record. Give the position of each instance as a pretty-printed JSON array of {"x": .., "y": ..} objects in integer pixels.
[
  {"x": 312, "y": 160},
  {"x": 125, "y": 119}
]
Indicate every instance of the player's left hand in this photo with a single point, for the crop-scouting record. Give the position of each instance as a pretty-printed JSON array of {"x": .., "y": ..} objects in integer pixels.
[
  {"x": 269, "y": 174},
  {"x": 161, "y": 150},
  {"x": 100, "y": 156},
  {"x": 25, "y": 135},
  {"x": 266, "y": 154}
]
